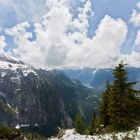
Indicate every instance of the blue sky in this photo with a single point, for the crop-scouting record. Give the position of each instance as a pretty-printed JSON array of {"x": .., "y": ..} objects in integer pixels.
[
  {"x": 116, "y": 9},
  {"x": 83, "y": 28}
]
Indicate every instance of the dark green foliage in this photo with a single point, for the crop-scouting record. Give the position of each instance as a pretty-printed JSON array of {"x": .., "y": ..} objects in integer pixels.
[
  {"x": 6, "y": 113},
  {"x": 120, "y": 106},
  {"x": 93, "y": 127},
  {"x": 35, "y": 136},
  {"x": 104, "y": 117},
  {"x": 79, "y": 124},
  {"x": 7, "y": 133}
]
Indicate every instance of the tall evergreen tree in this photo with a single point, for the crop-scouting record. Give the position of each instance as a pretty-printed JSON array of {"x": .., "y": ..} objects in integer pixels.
[
  {"x": 79, "y": 124},
  {"x": 93, "y": 126},
  {"x": 104, "y": 118},
  {"x": 120, "y": 107}
]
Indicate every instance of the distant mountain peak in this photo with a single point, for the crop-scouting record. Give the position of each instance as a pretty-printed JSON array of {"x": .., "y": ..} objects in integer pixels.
[{"x": 8, "y": 58}]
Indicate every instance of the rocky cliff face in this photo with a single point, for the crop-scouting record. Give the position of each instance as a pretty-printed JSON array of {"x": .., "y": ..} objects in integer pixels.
[{"x": 41, "y": 100}]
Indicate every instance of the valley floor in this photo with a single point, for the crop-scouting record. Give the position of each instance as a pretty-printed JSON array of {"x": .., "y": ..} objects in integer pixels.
[{"x": 72, "y": 135}]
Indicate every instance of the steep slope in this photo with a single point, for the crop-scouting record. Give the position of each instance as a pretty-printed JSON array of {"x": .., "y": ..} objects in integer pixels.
[
  {"x": 90, "y": 77},
  {"x": 42, "y": 100}
]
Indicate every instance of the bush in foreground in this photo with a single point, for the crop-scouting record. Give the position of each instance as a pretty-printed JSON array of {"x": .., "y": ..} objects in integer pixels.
[{"x": 8, "y": 133}]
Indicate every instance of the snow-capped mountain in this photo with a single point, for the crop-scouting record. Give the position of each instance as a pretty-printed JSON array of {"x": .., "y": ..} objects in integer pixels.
[
  {"x": 41, "y": 100},
  {"x": 10, "y": 63}
]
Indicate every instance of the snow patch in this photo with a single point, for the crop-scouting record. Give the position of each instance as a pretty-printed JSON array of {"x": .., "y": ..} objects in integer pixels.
[
  {"x": 14, "y": 65},
  {"x": 94, "y": 73},
  {"x": 72, "y": 135},
  {"x": 27, "y": 71},
  {"x": 9, "y": 105},
  {"x": 18, "y": 126},
  {"x": 3, "y": 74},
  {"x": 16, "y": 79}
]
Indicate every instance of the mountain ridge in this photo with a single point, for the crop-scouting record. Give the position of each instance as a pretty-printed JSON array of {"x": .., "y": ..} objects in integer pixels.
[
  {"x": 97, "y": 78},
  {"x": 42, "y": 100}
]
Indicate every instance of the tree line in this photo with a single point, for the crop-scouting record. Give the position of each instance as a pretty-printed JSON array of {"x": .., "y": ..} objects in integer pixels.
[{"x": 119, "y": 109}]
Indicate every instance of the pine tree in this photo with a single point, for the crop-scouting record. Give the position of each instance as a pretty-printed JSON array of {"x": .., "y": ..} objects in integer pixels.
[
  {"x": 120, "y": 107},
  {"x": 79, "y": 124},
  {"x": 93, "y": 126},
  {"x": 104, "y": 118}
]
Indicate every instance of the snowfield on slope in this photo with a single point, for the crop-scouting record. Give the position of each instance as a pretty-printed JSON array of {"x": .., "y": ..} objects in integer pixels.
[
  {"x": 10, "y": 63},
  {"x": 72, "y": 135}
]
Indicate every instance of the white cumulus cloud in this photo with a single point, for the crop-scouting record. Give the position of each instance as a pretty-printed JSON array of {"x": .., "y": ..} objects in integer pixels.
[
  {"x": 135, "y": 16},
  {"x": 53, "y": 39},
  {"x": 3, "y": 44},
  {"x": 61, "y": 39},
  {"x": 138, "y": 4},
  {"x": 137, "y": 41},
  {"x": 131, "y": 59}
]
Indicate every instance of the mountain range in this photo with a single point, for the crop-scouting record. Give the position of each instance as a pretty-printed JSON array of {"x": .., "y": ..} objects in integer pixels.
[
  {"x": 40, "y": 100},
  {"x": 97, "y": 78}
]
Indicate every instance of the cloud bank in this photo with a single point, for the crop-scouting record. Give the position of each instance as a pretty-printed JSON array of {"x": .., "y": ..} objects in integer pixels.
[
  {"x": 61, "y": 39},
  {"x": 3, "y": 44}
]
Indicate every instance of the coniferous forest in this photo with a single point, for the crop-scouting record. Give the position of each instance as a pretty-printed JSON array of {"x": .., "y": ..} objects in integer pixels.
[
  {"x": 120, "y": 106},
  {"x": 119, "y": 110}
]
